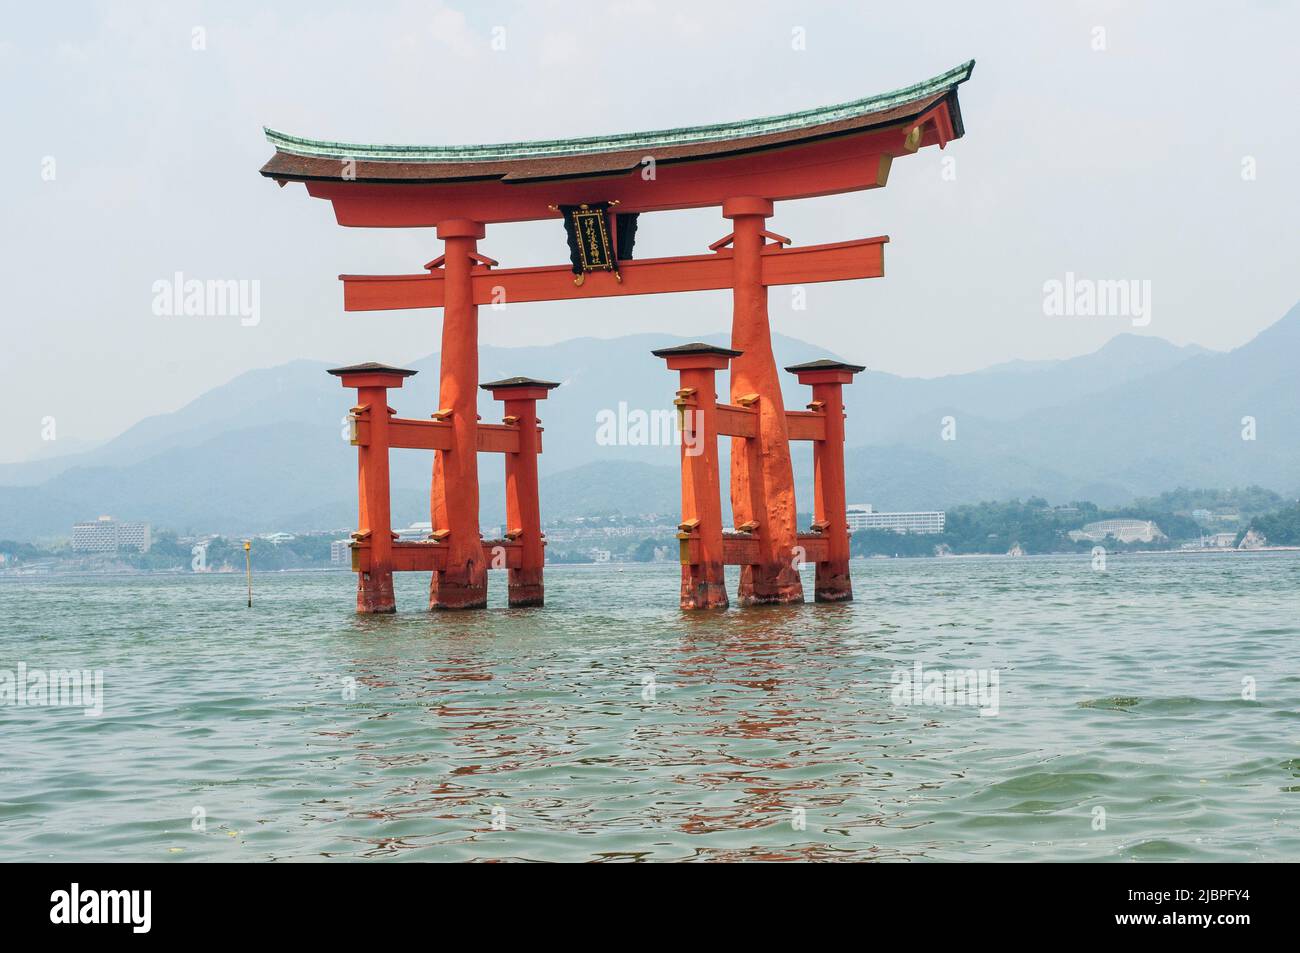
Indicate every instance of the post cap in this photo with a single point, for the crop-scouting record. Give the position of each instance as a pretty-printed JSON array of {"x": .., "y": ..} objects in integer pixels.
[
  {"x": 825, "y": 364},
  {"x": 513, "y": 382},
  {"x": 698, "y": 347},
  {"x": 370, "y": 367}
]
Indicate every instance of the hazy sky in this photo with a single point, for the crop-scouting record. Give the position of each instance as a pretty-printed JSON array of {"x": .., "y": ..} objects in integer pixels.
[{"x": 130, "y": 155}]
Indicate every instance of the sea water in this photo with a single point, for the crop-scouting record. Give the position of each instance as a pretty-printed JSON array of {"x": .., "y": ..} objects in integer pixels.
[{"x": 1150, "y": 711}]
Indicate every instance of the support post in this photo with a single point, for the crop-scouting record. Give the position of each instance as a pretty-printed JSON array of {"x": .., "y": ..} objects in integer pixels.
[
  {"x": 762, "y": 476},
  {"x": 454, "y": 499},
  {"x": 374, "y": 519},
  {"x": 830, "y": 507},
  {"x": 700, "y": 536},
  {"x": 523, "y": 506}
]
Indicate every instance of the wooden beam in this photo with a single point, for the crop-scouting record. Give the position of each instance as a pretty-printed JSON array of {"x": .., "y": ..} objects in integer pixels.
[
  {"x": 420, "y": 434},
  {"x": 428, "y": 556},
  {"x": 498, "y": 438},
  {"x": 805, "y": 425},
  {"x": 838, "y": 261},
  {"x": 782, "y": 265},
  {"x": 815, "y": 547},
  {"x": 742, "y": 549},
  {"x": 736, "y": 421},
  {"x": 407, "y": 434}
]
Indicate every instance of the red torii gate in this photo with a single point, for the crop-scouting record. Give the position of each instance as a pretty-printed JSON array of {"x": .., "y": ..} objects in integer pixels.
[{"x": 742, "y": 167}]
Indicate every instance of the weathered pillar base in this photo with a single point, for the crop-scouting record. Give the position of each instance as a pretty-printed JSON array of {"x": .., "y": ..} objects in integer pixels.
[
  {"x": 526, "y": 588},
  {"x": 459, "y": 588},
  {"x": 833, "y": 583},
  {"x": 769, "y": 586},
  {"x": 704, "y": 587},
  {"x": 375, "y": 593}
]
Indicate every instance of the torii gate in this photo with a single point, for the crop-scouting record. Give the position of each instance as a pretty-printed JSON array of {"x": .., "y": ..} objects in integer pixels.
[{"x": 599, "y": 186}]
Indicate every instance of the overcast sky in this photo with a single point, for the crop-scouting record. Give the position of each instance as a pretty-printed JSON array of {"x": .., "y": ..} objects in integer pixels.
[{"x": 130, "y": 155}]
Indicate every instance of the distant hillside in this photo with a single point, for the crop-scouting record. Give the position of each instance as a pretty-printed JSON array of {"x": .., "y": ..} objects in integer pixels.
[
  {"x": 1181, "y": 424},
  {"x": 1134, "y": 418}
]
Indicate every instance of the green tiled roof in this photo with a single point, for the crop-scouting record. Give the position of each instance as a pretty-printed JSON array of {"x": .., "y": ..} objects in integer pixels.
[{"x": 659, "y": 139}]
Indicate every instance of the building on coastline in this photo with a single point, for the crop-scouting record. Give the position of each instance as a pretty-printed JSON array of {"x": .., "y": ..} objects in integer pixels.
[
  {"x": 1253, "y": 539},
  {"x": 341, "y": 552},
  {"x": 864, "y": 516},
  {"x": 1210, "y": 516},
  {"x": 107, "y": 535},
  {"x": 275, "y": 539},
  {"x": 1124, "y": 531}
]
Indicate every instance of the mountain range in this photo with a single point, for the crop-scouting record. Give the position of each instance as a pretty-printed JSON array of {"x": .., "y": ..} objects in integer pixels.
[{"x": 266, "y": 451}]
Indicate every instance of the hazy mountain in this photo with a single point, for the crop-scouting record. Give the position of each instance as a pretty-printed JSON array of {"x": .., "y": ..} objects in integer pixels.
[
  {"x": 595, "y": 373},
  {"x": 1181, "y": 424},
  {"x": 1138, "y": 416}
]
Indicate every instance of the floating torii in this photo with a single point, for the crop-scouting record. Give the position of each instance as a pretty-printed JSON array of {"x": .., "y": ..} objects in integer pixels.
[{"x": 599, "y": 186}]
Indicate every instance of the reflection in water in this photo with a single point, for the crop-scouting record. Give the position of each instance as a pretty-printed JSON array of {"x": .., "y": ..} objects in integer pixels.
[{"x": 766, "y": 733}]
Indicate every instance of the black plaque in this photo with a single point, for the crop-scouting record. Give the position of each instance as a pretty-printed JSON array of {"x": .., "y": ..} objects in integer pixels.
[{"x": 591, "y": 247}]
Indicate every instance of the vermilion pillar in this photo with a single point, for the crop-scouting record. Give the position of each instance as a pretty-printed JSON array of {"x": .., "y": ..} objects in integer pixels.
[
  {"x": 463, "y": 584},
  {"x": 523, "y": 507},
  {"x": 830, "y": 509},
  {"x": 374, "y": 519},
  {"x": 762, "y": 476},
  {"x": 703, "y": 583}
]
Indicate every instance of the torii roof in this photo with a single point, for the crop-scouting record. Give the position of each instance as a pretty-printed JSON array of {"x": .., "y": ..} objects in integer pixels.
[{"x": 301, "y": 159}]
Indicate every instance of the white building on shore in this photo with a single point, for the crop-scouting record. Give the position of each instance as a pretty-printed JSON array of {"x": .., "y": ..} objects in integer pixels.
[
  {"x": 864, "y": 516},
  {"x": 107, "y": 535},
  {"x": 1124, "y": 531}
]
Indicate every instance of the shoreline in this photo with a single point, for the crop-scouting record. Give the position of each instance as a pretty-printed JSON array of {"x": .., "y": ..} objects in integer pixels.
[{"x": 113, "y": 574}]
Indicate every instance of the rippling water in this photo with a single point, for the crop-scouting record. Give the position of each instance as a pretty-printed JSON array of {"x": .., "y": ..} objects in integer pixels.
[{"x": 769, "y": 734}]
